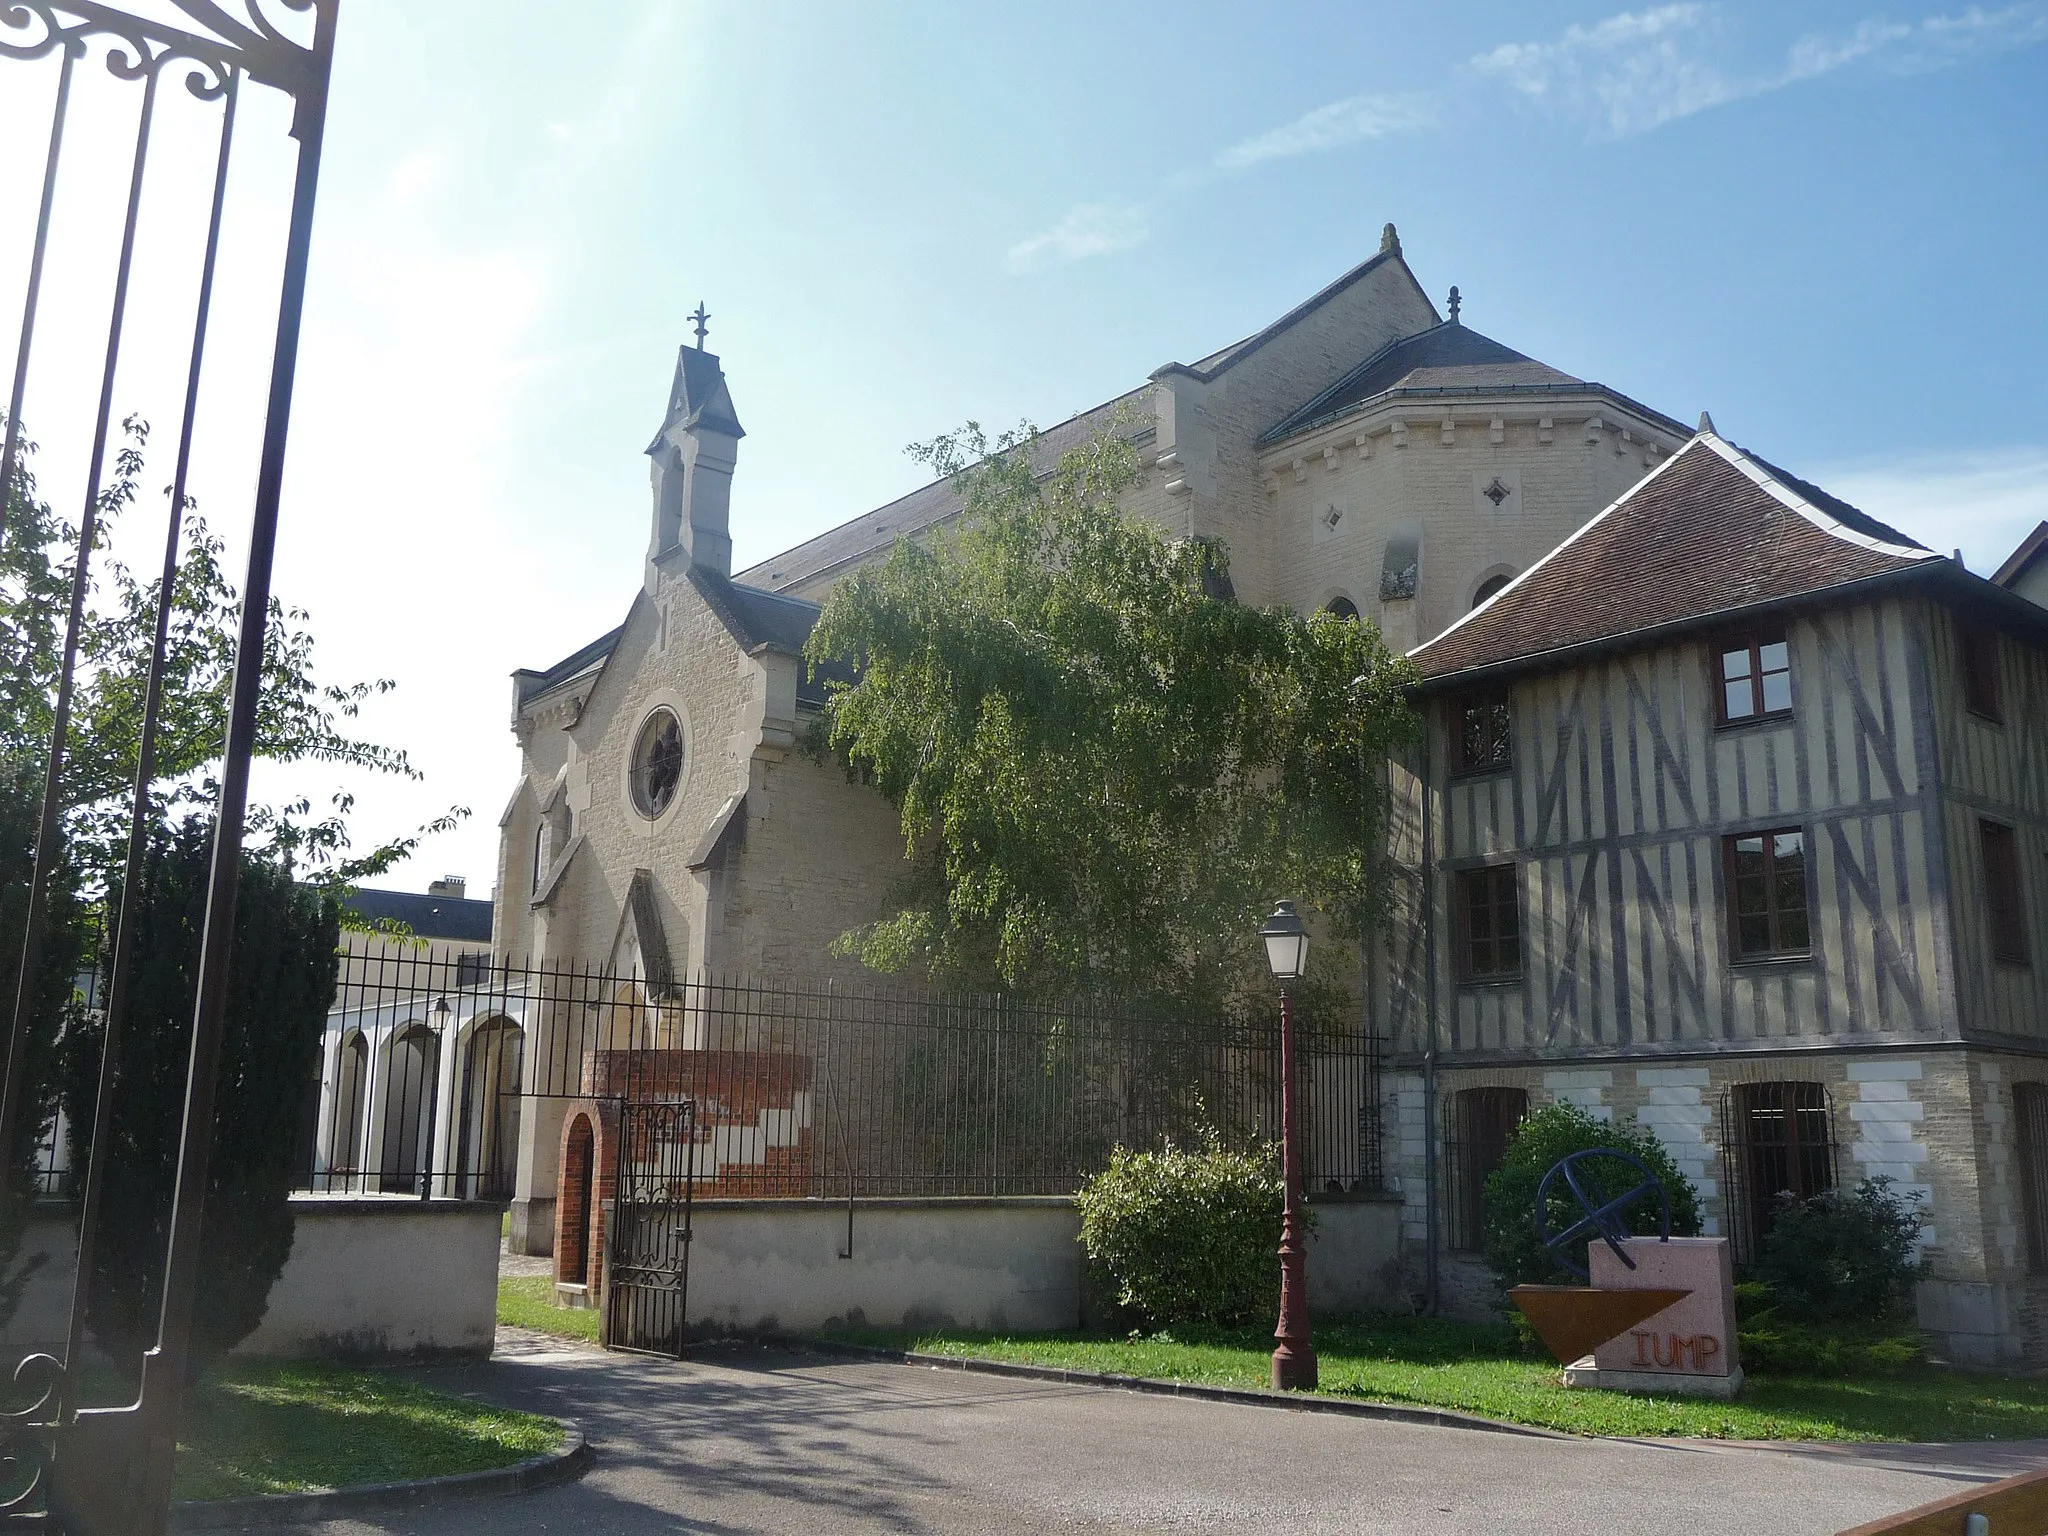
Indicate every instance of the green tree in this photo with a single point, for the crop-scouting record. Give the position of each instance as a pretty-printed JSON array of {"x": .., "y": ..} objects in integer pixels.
[
  {"x": 279, "y": 990},
  {"x": 301, "y": 719},
  {"x": 1514, "y": 1251},
  {"x": 1106, "y": 769}
]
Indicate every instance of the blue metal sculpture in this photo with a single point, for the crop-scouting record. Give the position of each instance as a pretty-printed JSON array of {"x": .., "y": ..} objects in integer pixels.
[{"x": 1597, "y": 1213}]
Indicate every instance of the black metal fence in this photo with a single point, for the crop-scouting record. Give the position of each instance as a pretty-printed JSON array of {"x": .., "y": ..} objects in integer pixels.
[{"x": 450, "y": 1076}]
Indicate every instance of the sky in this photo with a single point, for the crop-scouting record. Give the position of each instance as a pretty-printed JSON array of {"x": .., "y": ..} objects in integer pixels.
[{"x": 1822, "y": 222}]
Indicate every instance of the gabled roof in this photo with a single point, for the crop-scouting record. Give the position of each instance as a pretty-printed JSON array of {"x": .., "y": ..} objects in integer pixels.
[
  {"x": 698, "y": 397},
  {"x": 1447, "y": 359},
  {"x": 926, "y": 507},
  {"x": 1217, "y": 363},
  {"x": 930, "y": 505},
  {"x": 429, "y": 917},
  {"x": 1711, "y": 531},
  {"x": 772, "y": 621},
  {"x": 588, "y": 658},
  {"x": 1450, "y": 355},
  {"x": 2016, "y": 563}
]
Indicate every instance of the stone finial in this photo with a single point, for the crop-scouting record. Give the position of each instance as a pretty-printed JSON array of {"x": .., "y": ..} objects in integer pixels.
[
  {"x": 1390, "y": 242},
  {"x": 1706, "y": 422},
  {"x": 1454, "y": 303}
]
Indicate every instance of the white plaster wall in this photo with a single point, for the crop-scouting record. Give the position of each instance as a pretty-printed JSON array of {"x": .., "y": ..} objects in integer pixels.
[
  {"x": 1354, "y": 1256},
  {"x": 385, "y": 1277},
  {"x": 769, "y": 1265},
  {"x": 1674, "y": 1107},
  {"x": 780, "y": 1265}
]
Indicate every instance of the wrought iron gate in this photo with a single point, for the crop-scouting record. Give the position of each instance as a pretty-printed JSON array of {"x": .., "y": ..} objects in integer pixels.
[
  {"x": 107, "y": 1471},
  {"x": 647, "y": 1265}
]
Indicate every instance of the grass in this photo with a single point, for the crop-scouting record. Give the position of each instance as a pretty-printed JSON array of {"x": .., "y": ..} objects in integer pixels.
[
  {"x": 305, "y": 1427},
  {"x": 1479, "y": 1368},
  {"x": 528, "y": 1301}
]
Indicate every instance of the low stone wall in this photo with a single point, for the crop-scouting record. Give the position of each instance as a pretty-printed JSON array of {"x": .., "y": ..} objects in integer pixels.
[
  {"x": 391, "y": 1278},
  {"x": 783, "y": 1265},
  {"x": 385, "y": 1277}
]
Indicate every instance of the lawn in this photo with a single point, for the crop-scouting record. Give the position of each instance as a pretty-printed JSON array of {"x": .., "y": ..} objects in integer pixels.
[
  {"x": 528, "y": 1301},
  {"x": 301, "y": 1427},
  {"x": 1480, "y": 1368}
]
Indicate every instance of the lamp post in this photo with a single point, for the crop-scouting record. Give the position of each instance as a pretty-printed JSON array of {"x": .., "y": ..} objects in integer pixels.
[{"x": 1294, "y": 1359}]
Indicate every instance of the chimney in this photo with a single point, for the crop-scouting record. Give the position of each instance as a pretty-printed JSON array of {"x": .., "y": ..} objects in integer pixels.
[
  {"x": 450, "y": 886},
  {"x": 693, "y": 459}
]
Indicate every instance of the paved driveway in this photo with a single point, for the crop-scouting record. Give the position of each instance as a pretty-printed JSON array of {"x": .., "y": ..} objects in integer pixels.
[{"x": 758, "y": 1441}]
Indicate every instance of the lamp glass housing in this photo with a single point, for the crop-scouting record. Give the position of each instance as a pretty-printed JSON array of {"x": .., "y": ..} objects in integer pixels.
[{"x": 1286, "y": 939}]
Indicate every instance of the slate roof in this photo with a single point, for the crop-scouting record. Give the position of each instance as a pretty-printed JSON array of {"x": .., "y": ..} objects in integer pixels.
[
  {"x": 758, "y": 618},
  {"x": 930, "y": 505},
  {"x": 698, "y": 397},
  {"x": 430, "y": 917},
  {"x": 2023, "y": 556},
  {"x": 926, "y": 507},
  {"x": 1711, "y": 531},
  {"x": 1447, "y": 359},
  {"x": 532, "y": 685}
]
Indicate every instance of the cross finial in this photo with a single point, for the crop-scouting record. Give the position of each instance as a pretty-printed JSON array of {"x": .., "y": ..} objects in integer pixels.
[
  {"x": 700, "y": 317},
  {"x": 1455, "y": 304}
]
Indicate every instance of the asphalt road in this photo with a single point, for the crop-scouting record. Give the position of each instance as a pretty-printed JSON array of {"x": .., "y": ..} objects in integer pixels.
[{"x": 750, "y": 1441}]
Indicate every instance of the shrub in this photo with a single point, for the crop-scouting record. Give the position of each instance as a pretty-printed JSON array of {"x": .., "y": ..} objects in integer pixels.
[
  {"x": 1186, "y": 1236},
  {"x": 1843, "y": 1256},
  {"x": 1513, "y": 1250},
  {"x": 279, "y": 988}
]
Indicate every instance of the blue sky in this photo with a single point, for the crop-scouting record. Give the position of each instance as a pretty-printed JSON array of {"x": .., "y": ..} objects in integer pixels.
[{"x": 1823, "y": 222}]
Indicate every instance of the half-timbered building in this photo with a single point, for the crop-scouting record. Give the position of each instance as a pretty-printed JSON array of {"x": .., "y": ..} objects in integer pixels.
[{"x": 1731, "y": 818}]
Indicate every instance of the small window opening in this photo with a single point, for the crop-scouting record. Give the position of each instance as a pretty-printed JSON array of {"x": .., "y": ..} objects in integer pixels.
[{"x": 1756, "y": 678}]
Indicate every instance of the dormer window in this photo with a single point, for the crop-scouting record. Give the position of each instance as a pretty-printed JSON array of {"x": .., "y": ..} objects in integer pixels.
[{"x": 1755, "y": 677}]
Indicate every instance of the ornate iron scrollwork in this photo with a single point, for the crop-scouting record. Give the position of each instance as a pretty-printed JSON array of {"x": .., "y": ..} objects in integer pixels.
[
  {"x": 27, "y": 1432},
  {"x": 54, "y": 1460}
]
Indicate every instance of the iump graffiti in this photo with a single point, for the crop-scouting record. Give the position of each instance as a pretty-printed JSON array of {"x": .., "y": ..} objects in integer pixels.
[{"x": 1658, "y": 1313}]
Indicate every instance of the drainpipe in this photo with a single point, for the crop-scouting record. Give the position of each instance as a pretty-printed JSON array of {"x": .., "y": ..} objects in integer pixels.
[{"x": 1430, "y": 1203}]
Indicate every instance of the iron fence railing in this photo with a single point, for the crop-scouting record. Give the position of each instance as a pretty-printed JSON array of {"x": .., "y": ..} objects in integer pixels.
[{"x": 446, "y": 1076}]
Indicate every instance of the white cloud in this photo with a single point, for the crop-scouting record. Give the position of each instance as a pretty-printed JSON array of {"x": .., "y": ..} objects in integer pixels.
[
  {"x": 1640, "y": 69},
  {"x": 1981, "y": 501},
  {"x": 1089, "y": 229},
  {"x": 1629, "y": 72},
  {"x": 1340, "y": 123}
]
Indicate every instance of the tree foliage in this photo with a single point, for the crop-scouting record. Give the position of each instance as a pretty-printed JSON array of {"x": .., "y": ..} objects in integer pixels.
[
  {"x": 300, "y": 718},
  {"x": 1514, "y": 1251},
  {"x": 1104, "y": 770},
  {"x": 279, "y": 991}
]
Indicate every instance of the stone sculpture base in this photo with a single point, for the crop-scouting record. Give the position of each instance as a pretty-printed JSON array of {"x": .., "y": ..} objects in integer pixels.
[{"x": 1584, "y": 1373}]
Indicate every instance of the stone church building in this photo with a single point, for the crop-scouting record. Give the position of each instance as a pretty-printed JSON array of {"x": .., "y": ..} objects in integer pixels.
[
  {"x": 1730, "y": 817},
  {"x": 1363, "y": 453}
]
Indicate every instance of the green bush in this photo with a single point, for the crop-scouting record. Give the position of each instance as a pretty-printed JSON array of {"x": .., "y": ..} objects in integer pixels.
[
  {"x": 1843, "y": 1255},
  {"x": 1186, "y": 1236},
  {"x": 1513, "y": 1250}
]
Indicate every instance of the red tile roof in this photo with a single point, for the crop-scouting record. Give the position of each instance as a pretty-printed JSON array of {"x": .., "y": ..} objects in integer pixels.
[{"x": 1710, "y": 530}]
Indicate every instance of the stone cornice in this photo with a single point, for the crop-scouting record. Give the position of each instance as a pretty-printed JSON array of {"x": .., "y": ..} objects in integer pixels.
[{"x": 1406, "y": 413}]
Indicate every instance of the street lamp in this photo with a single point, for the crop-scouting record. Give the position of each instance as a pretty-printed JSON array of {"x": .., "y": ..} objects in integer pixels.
[{"x": 1294, "y": 1360}]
